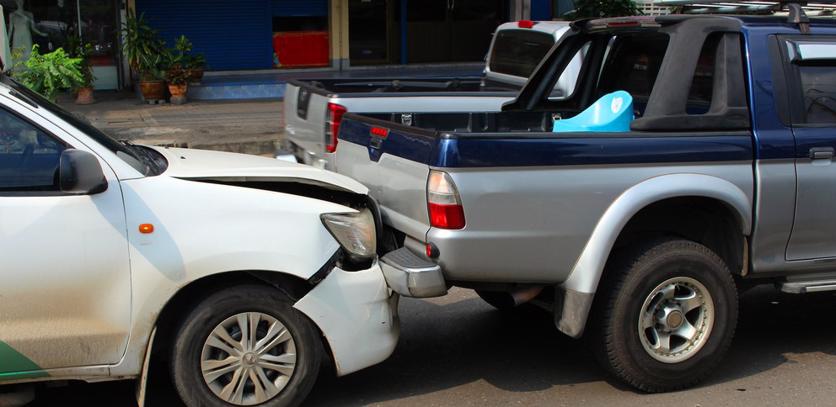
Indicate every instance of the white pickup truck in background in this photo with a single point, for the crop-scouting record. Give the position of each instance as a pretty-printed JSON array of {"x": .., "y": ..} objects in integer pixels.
[{"x": 313, "y": 108}]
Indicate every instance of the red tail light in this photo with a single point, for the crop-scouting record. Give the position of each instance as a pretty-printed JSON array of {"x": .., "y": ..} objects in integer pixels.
[
  {"x": 525, "y": 24},
  {"x": 333, "y": 118},
  {"x": 443, "y": 201}
]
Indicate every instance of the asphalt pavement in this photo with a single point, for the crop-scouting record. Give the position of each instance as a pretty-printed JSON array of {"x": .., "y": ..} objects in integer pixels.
[{"x": 458, "y": 351}]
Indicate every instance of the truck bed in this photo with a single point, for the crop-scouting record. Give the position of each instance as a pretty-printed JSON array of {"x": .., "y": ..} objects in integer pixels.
[
  {"x": 378, "y": 87},
  {"x": 525, "y": 139}
]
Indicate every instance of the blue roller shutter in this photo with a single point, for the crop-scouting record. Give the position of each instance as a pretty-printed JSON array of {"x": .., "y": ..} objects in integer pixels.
[
  {"x": 233, "y": 34},
  {"x": 300, "y": 8}
]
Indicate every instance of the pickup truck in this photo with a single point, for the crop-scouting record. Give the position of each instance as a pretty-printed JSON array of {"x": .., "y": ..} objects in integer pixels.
[
  {"x": 314, "y": 108},
  {"x": 638, "y": 239}
]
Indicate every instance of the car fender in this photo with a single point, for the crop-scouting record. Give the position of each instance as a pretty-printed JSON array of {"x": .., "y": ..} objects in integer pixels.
[
  {"x": 578, "y": 291},
  {"x": 203, "y": 229}
]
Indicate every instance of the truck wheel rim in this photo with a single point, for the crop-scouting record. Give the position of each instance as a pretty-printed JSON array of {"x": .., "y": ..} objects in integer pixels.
[
  {"x": 676, "y": 320},
  {"x": 248, "y": 358}
]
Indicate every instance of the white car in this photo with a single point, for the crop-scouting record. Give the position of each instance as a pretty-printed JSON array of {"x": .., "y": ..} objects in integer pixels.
[{"x": 242, "y": 273}]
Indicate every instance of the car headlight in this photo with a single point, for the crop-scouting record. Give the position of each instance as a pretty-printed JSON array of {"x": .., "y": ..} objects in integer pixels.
[{"x": 355, "y": 232}]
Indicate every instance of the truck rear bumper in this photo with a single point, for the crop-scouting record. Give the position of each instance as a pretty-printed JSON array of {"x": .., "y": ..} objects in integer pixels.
[{"x": 412, "y": 276}]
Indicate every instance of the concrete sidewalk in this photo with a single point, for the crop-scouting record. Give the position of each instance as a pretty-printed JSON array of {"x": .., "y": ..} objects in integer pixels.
[{"x": 251, "y": 127}]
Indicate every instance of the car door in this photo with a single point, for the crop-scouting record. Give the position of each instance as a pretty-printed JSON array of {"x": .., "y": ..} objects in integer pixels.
[
  {"x": 65, "y": 294},
  {"x": 810, "y": 64}
]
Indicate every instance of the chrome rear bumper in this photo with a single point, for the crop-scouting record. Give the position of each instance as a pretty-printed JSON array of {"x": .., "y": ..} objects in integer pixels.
[{"x": 412, "y": 276}]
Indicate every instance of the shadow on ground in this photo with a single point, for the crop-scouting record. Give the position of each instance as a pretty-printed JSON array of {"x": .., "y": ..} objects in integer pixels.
[{"x": 459, "y": 340}]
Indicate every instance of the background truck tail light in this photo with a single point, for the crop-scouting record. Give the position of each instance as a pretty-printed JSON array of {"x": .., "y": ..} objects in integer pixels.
[
  {"x": 443, "y": 202},
  {"x": 333, "y": 118}
]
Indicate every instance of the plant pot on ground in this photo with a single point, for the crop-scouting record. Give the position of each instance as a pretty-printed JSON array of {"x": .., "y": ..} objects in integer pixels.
[
  {"x": 178, "y": 83},
  {"x": 84, "y": 91},
  {"x": 152, "y": 89},
  {"x": 84, "y": 96},
  {"x": 146, "y": 54}
]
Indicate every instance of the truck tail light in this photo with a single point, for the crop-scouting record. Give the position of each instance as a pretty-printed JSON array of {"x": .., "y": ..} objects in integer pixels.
[
  {"x": 443, "y": 201},
  {"x": 525, "y": 24},
  {"x": 333, "y": 118}
]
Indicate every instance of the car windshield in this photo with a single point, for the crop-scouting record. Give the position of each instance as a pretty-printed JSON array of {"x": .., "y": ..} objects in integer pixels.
[{"x": 143, "y": 159}]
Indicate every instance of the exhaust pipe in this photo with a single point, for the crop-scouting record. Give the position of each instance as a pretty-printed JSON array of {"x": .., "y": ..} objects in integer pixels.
[{"x": 526, "y": 294}]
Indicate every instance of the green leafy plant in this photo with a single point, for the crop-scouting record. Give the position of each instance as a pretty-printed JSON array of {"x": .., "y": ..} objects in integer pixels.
[
  {"x": 51, "y": 73},
  {"x": 77, "y": 49},
  {"x": 603, "y": 8},
  {"x": 196, "y": 61},
  {"x": 143, "y": 48}
]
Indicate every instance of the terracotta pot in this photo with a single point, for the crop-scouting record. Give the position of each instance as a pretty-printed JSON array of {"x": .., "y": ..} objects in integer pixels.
[
  {"x": 196, "y": 75},
  {"x": 178, "y": 90},
  {"x": 152, "y": 90},
  {"x": 85, "y": 96}
]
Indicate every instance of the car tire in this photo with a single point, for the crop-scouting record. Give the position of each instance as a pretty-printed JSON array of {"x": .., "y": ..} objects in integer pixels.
[
  {"x": 667, "y": 315},
  {"x": 284, "y": 357},
  {"x": 500, "y": 300}
]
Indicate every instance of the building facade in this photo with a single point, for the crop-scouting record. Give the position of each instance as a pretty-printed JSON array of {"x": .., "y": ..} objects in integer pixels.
[{"x": 276, "y": 34}]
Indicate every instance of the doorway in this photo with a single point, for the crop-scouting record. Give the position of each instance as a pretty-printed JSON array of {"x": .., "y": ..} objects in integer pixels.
[{"x": 450, "y": 30}]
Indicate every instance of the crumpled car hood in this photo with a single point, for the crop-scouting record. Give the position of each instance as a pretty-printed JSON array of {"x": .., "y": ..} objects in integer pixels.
[{"x": 232, "y": 167}]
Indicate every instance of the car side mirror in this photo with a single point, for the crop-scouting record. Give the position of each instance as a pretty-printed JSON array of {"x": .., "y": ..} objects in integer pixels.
[{"x": 79, "y": 173}]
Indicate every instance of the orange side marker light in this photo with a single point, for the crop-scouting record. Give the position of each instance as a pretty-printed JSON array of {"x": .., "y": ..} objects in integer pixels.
[{"x": 146, "y": 228}]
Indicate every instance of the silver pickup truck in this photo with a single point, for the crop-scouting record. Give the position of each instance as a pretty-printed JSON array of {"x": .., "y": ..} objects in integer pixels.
[
  {"x": 636, "y": 237},
  {"x": 314, "y": 107}
]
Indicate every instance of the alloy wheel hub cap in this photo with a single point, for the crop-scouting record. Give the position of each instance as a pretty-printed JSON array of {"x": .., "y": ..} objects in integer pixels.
[
  {"x": 248, "y": 359},
  {"x": 676, "y": 320}
]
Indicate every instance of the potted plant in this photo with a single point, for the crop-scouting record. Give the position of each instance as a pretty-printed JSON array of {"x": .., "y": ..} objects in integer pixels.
[
  {"x": 145, "y": 54},
  {"x": 152, "y": 77},
  {"x": 84, "y": 92},
  {"x": 177, "y": 72},
  {"x": 197, "y": 66},
  {"x": 178, "y": 83},
  {"x": 51, "y": 73}
]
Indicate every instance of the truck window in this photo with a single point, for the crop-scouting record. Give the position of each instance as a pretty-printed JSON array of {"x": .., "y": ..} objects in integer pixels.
[
  {"x": 517, "y": 52},
  {"x": 818, "y": 85},
  {"x": 632, "y": 65}
]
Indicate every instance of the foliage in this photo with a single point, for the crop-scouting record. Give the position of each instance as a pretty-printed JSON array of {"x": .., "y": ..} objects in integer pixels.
[
  {"x": 143, "y": 48},
  {"x": 50, "y": 73},
  {"x": 196, "y": 61},
  {"x": 603, "y": 8},
  {"x": 181, "y": 62},
  {"x": 77, "y": 49}
]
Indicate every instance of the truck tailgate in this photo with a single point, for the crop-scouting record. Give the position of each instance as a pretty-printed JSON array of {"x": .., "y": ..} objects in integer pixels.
[
  {"x": 304, "y": 112},
  {"x": 366, "y": 152}
]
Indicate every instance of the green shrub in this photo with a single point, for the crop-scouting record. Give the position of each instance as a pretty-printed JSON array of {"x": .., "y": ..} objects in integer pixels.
[{"x": 51, "y": 73}]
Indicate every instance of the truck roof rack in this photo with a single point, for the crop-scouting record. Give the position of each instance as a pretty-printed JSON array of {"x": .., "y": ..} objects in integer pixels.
[{"x": 796, "y": 10}]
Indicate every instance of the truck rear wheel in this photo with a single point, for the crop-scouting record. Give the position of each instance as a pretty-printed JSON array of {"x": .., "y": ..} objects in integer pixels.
[
  {"x": 245, "y": 346},
  {"x": 668, "y": 315}
]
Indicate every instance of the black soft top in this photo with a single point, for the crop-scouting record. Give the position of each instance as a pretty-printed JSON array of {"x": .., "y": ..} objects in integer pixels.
[{"x": 667, "y": 103}]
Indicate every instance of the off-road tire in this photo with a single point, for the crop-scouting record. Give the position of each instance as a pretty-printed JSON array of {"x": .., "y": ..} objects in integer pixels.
[{"x": 629, "y": 280}]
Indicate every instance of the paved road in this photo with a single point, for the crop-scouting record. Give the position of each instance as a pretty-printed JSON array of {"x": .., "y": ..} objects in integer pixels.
[
  {"x": 457, "y": 351},
  {"x": 252, "y": 127}
]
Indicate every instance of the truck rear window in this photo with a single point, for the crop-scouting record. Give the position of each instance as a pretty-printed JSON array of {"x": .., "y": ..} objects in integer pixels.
[{"x": 517, "y": 52}]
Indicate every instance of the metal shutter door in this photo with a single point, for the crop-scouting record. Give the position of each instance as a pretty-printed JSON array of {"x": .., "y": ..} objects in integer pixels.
[
  {"x": 300, "y": 8},
  {"x": 232, "y": 34}
]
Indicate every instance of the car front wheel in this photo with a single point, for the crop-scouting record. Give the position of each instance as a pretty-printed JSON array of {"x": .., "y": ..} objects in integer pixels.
[
  {"x": 245, "y": 346},
  {"x": 668, "y": 315}
]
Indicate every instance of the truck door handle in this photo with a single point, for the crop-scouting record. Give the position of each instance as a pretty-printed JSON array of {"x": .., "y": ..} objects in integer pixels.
[{"x": 821, "y": 153}]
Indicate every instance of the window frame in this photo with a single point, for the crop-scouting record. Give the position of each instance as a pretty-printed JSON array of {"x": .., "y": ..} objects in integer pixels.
[
  {"x": 794, "y": 90},
  {"x": 32, "y": 193}
]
